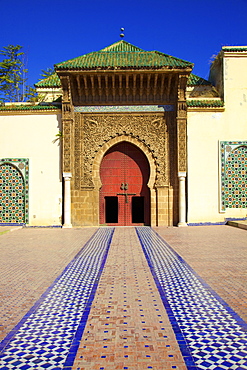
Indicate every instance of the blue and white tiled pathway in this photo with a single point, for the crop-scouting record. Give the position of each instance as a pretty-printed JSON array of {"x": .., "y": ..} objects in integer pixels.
[
  {"x": 49, "y": 335},
  {"x": 204, "y": 325}
]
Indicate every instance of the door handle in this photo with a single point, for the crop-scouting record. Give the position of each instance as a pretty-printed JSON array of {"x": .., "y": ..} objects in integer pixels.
[{"x": 124, "y": 186}]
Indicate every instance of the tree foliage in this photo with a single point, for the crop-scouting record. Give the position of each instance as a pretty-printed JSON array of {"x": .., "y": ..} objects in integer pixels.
[
  {"x": 47, "y": 72},
  {"x": 13, "y": 75}
]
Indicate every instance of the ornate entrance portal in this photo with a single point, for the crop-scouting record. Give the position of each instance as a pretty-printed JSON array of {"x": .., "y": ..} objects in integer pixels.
[
  {"x": 136, "y": 100},
  {"x": 124, "y": 195}
]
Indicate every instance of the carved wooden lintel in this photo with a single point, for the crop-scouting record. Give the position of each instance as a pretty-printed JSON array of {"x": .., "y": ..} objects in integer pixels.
[{"x": 113, "y": 88}]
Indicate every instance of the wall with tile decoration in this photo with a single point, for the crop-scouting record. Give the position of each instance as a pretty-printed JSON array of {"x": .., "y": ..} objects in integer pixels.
[
  {"x": 217, "y": 150},
  {"x": 32, "y": 137}
]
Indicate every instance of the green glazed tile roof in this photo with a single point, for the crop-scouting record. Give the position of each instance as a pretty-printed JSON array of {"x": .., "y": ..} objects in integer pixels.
[
  {"x": 51, "y": 81},
  {"x": 205, "y": 103},
  {"x": 122, "y": 46},
  {"x": 27, "y": 107},
  {"x": 122, "y": 55},
  {"x": 195, "y": 80}
]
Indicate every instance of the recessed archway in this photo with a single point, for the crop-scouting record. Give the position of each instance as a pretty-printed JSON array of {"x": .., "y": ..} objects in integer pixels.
[
  {"x": 137, "y": 203},
  {"x": 124, "y": 195}
]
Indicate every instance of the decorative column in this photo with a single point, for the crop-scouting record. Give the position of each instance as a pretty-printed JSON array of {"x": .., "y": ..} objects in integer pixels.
[
  {"x": 182, "y": 199},
  {"x": 68, "y": 132},
  {"x": 67, "y": 200},
  {"x": 182, "y": 146}
]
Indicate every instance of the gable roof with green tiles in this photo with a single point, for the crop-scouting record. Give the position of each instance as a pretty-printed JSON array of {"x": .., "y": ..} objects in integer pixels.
[
  {"x": 123, "y": 52},
  {"x": 49, "y": 82},
  {"x": 123, "y": 55},
  {"x": 195, "y": 80}
]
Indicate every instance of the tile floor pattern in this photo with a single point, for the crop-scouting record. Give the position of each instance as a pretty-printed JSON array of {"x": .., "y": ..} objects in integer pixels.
[
  {"x": 30, "y": 261},
  {"x": 128, "y": 327},
  {"x": 215, "y": 335},
  {"x": 49, "y": 336},
  {"x": 219, "y": 256}
]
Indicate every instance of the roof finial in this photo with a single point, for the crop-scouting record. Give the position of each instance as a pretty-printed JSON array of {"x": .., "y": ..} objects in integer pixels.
[{"x": 122, "y": 34}]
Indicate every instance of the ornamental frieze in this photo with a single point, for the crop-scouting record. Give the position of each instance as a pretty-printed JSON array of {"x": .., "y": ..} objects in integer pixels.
[{"x": 92, "y": 131}]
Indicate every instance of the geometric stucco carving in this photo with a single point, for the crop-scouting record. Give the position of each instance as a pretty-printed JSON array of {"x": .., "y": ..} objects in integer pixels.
[
  {"x": 92, "y": 131},
  {"x": 181, "y": 123},
  {"x": 182, "y": 145},
  {"x": 182, "y": 136}
]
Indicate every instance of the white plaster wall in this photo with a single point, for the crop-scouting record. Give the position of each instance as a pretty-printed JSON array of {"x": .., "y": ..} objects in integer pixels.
[
  {"x": 205, "y": 130},
  {"x": 31, "y": 136},
  {"x": 235, "y": 88}
]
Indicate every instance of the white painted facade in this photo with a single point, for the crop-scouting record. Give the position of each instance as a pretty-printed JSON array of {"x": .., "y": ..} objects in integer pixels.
[{"x": 206, "y": 128}]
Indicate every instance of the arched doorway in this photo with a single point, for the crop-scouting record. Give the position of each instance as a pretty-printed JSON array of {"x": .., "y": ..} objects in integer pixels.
[{"x": 124, "y": 195}]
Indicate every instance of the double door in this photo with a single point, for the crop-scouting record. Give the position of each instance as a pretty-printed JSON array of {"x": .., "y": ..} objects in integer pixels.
[{"x": 124, "y": 195}]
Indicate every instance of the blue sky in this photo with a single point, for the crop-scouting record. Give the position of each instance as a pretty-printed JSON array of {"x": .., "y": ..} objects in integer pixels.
[{"x": 52, "y": 31}]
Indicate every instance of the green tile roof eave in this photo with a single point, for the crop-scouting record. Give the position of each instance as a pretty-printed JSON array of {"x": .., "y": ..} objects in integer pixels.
[
  {"x": 29, "y": 108},
  {"x": 205, "y": 104},
  {"x": 52, "y": 81},
  {"x": 121, "y": 68},
  {"x": 234, "y": 49},
  {"x": 121, "y": 63}
]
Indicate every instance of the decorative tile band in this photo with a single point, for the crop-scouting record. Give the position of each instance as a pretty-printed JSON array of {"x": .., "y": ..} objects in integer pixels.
[
  {"x": 49, "y": 335},
  {"x": 14, "y": 190},
  {"x": 125, "y": 108},
  {"x": 210, "y": 334},
  {"x": 233, "y": 156}
]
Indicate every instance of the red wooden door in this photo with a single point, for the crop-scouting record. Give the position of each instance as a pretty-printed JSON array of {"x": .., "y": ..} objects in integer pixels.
[{"x": 124, "y": 195}]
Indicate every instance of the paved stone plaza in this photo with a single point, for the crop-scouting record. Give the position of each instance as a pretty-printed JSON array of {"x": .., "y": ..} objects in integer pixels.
[{"x": 126, "y": 301}]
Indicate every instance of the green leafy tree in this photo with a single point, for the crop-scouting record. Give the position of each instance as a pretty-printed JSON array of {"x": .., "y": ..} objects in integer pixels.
[
  {"x": 47, "y": 72},
  {"x": 31, "y": 94},
  {"x": 13, "y": 74}
]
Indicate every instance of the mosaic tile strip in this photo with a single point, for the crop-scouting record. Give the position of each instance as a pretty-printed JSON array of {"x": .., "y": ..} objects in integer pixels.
[
  {"x": 233, "y": 174},
  {"x": 48, "y": 336},
  {"x": 14, "y": 190},
  {"x": 125, "y": 108},
  {"x": 204, "y": 325}
]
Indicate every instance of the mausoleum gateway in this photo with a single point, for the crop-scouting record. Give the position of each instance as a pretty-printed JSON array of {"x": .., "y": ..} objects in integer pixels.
[{"x": 125, "y": 136}]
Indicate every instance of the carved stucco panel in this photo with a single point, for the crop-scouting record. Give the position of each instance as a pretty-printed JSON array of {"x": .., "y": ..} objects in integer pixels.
[
  {"x": 97, "y": 129},
  {"x": 77, "y": 151},
  {"x": 182, "y": 147},
  {"x": 66, "y": 145}
]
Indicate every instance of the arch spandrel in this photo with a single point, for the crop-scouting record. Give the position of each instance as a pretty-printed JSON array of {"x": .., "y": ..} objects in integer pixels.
[{"x": 97, "y": 131}]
